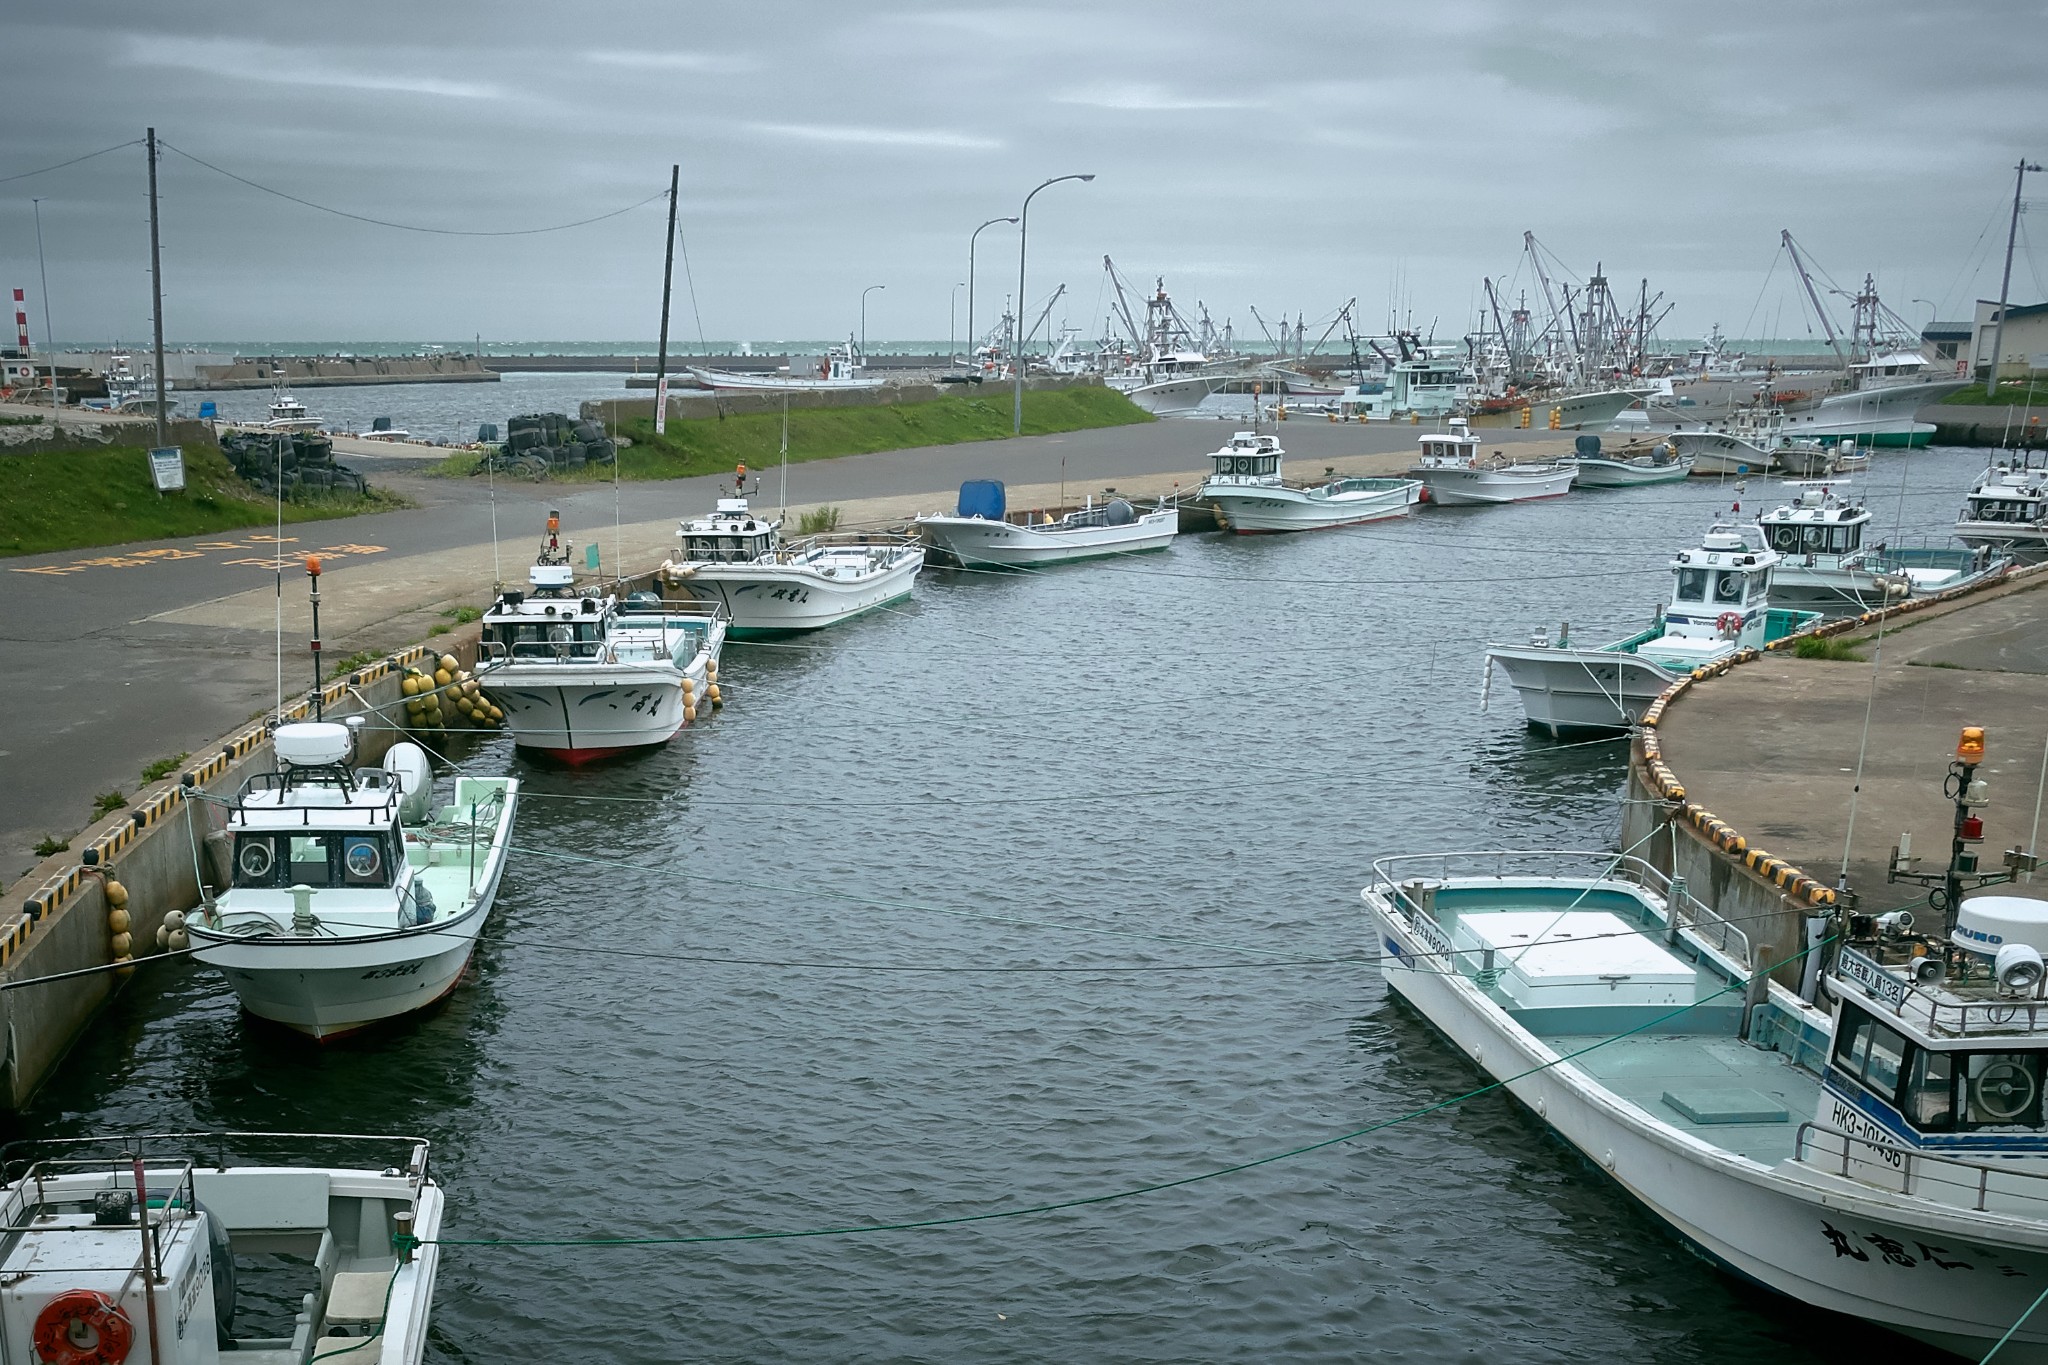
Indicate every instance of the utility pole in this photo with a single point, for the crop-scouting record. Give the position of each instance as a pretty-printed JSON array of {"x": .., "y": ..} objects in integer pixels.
[
  {"x": 2005, "y": 285},
  {"x": 156, "y": 290},
  {"x": 48, "y": 337},
  {"x": 668, "y": 269}
]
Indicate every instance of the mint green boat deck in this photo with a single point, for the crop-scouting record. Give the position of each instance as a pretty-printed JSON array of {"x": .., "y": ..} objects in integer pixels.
[{"x": 1715, "y": 1077}]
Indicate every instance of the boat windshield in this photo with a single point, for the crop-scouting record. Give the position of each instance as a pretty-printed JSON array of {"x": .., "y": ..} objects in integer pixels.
[
  {"x": 1728, "y": 586},
  {"x": 313, "y": 858},
  {"x": 1938, "y": 1091},
  {"x": 1692, "y": 585}
]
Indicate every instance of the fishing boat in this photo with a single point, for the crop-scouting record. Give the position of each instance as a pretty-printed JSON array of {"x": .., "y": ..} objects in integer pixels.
[
  {"x": 1719, "y": 604},
  {"x": 737, "y": 562},
  {"x": 1826, "y": 564},
  {"x": 842, "y": 368},
  {"x": 2007, "y": 508},
  {"x": 983, "y": 531},
  {"x": 1870, "y": 1143},
  {"x": 1804, "y": 459},
  {"x": 353, "y": 899},
  {"x": 1639, "y": 462},
  {"x": 1743, "y": 445},
  {"x": 1880, "y": 405},
  {"x": 288, "y": 413},
  {"x": 581, "y": 675},
  {"x": 1455, "y": 474},
  {"x": 1592, "y": 407},
  {"x": 1250, "y": 496},
  {"x": 126, "y": 1248}
]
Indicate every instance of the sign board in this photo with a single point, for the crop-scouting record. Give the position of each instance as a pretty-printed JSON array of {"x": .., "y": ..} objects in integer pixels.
[
  {"x": 1876, "y": 982},
  {"x": 590, "y": 556},
  {"x": 661, "y": 406},
  {"x": 167, "y": 468}
]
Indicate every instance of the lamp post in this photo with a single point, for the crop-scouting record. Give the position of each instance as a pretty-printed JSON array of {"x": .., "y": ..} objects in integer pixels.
[
  {"x": 1017, "y": 358},
  {"x": 970, "y": 285},
  {"x": 952, "y": 316},
  {"x": 864, "y": 320}
]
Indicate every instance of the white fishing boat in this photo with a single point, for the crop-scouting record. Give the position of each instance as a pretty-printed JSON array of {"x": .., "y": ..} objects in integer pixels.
[
  {"x": 983, "y": 531},
  {"x": 1719, "y": 604},
  {"x": 125, "y": 1248},
  {"x": 353, "y": 899},
  {"x": 1879, "y": 1154},
  {"x": 1592, "y": 408},
  {"x": 581, "y": 676},
  {"x": 1804, "y": 459},
  {"x": 1639, "y": 462},
  {"x": 842, "y": 368},
  {"x": 1251, "y": 497},
  {"x": 1825, "y": 564},
  {"x": 2007, "y": 508},
  {"x": 738, "y": 562},
  {"x": 288, "y": 413},
  {"x": 1880, "y": 406},
  {"x": 1456, "y": 475},
  {"x": 1740, "y": 446}
]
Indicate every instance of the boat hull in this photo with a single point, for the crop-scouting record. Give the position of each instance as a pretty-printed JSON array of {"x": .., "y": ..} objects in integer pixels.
[
  {"x": 1716, "y": 453},
  {"x": 729, "y": 381},
  {"x": 1465, "y": 487},
  {"x": 767, "y": 600},
  {"x": 1622, "y": 474},
  {"x": 1002, "y": 544},
  {"x": 1172, "y": 397},
  {"x": 2026, "y": 544},
  {"x": 1266, "y": 511},
  {"x": 594, "y": 716},
  {"x": 1568, "y": 692},
  {"x": 1817, "y": 1240}
]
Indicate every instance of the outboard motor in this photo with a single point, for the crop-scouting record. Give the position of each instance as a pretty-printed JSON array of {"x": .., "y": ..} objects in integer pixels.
[
  {"x": 408, "y": 766},
  {"x": 1587, "y": 447}
]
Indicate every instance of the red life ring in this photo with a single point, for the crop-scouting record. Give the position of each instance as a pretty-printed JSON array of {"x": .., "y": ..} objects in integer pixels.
[
  {"x": 83, "y": 1327},
  {"x": 1729, "y": 623}
]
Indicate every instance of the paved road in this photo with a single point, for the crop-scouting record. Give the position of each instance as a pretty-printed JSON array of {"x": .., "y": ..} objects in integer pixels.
[{"x": 96, "y": 682}]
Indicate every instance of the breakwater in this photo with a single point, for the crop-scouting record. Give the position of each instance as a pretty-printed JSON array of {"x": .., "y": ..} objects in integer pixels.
[
  {"x": 702, "y": 403},
  {"x": 325, "y": 371}
]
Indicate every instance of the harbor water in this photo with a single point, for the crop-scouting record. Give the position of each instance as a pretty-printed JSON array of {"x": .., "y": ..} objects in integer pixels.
[{"x": 1018, "y": 894}]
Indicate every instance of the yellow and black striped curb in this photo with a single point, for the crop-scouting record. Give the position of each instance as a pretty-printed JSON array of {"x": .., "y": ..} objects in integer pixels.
[{"x": 52, "y": 894}]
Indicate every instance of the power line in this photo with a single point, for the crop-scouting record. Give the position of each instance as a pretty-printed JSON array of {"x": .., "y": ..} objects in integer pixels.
[
  {"x": 412, "y": 227},
  {"x": 23, "y": 175}
]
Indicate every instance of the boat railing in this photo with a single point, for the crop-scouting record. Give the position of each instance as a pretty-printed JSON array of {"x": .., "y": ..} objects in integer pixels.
[
  {"x": 792, "y": 551},
  {"x": 49, "y": 1158},
  {"x": 1923, "y": 1175},
  {"x": 1393, "y": 876},
  {"x": 1857, "y": 973}
]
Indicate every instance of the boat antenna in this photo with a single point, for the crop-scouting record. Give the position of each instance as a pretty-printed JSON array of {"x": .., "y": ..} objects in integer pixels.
[
  {"x": 277, "y": 549},
  {"x": 491, "y": 478},
  {"x": 783, "y": 515},
  {"x": 618, "y": 532},
  {"x": 313, "y": 574}
]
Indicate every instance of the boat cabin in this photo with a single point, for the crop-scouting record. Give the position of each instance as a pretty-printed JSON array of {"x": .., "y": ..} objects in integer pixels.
[
  {"x": 732, "y": 534},
  {"x": 1940, "y": 1046},
  {"x": 1429, "y": 386},
  {"x": 1248, "y": 457},
  {"x": 1890, "y": 371},
  {"x": 313, "y": 821},
  {"x": 552, "y": 621},
  {"x": 1725, "y": 576},
  {"x": 1821, "y": 523},
  {"x": 1453, "y": 448},
  {"x": 2014, "y": 494}
]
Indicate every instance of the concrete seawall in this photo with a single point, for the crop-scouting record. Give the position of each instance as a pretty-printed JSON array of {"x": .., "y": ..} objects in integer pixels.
[
  {"x": 1743, "y": 774},
  {"x": 315, "y": 372}
]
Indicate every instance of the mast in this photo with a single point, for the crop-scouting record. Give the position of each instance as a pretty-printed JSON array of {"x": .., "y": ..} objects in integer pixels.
[
  {"x": 668, "y": 269},
  {"x": 1799, "y": 264},
  {"x": 2005, "y": 285},
  {"x": 156, "y": 291}
]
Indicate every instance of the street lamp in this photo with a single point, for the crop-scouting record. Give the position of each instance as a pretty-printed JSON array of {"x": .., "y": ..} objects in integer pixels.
[
  {"x": 970, "y": 285},
  {"x": 864, "y": 320},
  {"x": 1017, "y": 357},
  {"x": 952, "y": 315}
]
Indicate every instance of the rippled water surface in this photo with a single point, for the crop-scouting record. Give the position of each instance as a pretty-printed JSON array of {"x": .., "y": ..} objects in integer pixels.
[{"x": 1165, "y": 778}]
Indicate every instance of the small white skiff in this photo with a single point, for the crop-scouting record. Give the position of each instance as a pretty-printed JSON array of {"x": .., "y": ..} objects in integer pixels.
[
  {"x": 983, "y": 532},
  {"x": 353, "y": 901}
]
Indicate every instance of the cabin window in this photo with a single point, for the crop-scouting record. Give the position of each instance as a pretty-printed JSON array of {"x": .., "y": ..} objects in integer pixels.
[
  {"x": 1692, "y": 585},
  {"x": 1727, "y": 586},
  {"x": 365, "y": 860},
  {"x": 255, "y": 860},
  {"x": 1785, "y": 539},
  {"x": 1869, "y": 1053},
  {"x": 308, "y": 866},
  {"x": 1931, "y": 1092},
  {"x": 2002, "y": 1089}
]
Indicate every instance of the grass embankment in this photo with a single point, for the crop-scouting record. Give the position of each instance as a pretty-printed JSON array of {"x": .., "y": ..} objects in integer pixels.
[
  {"x": 713, "y": 445},
  {"x": 2030, "y": 392},
  {"x": 71, "y": 499}
]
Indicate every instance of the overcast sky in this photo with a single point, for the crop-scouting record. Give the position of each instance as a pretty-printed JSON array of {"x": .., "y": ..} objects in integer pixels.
[{"x": 1281, "y": 156}]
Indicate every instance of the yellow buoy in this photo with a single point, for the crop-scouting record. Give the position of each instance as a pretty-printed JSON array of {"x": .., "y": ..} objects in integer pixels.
[
  {"x": 122, "y": 944},
  {"x": 409, "y": 686},
  {"x": 496, "y": 714},
  {"x": 448, "y": 664},
  {"x": 127, "y": 966},
  {"x": 117, "y": 921},
  {"x": 117, "y": 894},
  {"x": 717, "y": 697},
  {"x": 689, "y": 714},
  {"x": 711, "y": 668},
  {"x": 442, "y": 677},
  {"x": 689, "y": 687}
]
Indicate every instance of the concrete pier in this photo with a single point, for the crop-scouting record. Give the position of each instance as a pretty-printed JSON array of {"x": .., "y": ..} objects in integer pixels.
[
  {"x": 1766, "y": 788},
  {"x": 318, "y": 372}
]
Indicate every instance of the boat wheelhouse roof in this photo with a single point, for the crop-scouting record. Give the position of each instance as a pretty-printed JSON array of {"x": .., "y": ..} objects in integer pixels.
[
  {"x": 1894, "y": 362},
  {"x": 1818, "y": 503},
  {"x": 1251, "y": 443},
  {"x": 1726, "y": 547},
  {"x": 1949, "y": 1010}
]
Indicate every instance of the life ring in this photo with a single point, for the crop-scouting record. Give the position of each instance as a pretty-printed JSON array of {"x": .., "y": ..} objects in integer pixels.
[
  {"x": 1729, "y": 623},
  {"x": 83, "y": 1327}
]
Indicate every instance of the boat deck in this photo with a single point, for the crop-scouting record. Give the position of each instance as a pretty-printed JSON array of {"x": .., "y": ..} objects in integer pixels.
[{"x": 1729, "y": 1086}]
